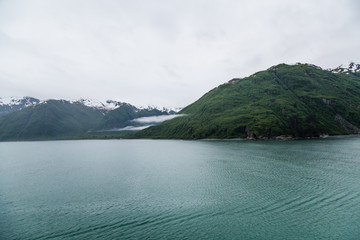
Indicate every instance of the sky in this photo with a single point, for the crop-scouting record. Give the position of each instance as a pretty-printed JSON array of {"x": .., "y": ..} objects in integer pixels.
[{"x": 164, "y": 52}]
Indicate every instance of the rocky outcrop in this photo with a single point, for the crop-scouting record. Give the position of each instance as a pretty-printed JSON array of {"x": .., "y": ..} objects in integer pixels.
[{"x": 350, "y": 128}]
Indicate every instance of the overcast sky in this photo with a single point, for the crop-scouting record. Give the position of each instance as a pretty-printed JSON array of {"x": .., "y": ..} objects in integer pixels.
[{"x": 164, "y": 52}]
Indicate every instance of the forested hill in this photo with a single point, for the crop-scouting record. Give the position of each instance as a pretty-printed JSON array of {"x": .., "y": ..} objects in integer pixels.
[{"x": 295, "y": 101}]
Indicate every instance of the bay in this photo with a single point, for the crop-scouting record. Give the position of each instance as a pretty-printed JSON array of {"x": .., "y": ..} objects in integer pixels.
[{"x": 172, "y": 189}]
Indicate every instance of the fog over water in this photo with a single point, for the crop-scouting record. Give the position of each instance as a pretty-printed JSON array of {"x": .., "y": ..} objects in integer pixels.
[
  {"x": 145, "y": 122},
  {"x": 157, "y": 119}
]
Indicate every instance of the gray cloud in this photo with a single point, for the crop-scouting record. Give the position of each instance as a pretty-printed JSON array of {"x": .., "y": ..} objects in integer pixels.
[{"x": 166, "y": 53}]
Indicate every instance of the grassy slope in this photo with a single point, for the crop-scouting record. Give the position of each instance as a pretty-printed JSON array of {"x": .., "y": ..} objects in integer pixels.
[{"x": 296, "y": 101}]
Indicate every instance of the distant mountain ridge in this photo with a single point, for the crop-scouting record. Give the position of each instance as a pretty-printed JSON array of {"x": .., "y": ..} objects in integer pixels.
[
  {"x": 10, "y": 104},
  {"x": 32, "y": 119}
]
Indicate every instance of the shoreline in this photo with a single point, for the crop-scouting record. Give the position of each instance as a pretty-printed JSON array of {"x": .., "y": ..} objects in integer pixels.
[{"x": 279, "y": 138}]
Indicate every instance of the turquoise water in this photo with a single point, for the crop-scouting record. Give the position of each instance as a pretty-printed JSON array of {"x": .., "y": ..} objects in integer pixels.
[{"x": 162, "y": 189}]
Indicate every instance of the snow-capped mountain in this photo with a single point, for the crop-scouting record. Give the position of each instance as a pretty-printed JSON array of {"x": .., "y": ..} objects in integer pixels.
[
  {"x": 30, "y": 118},
  {"x": 172, "y": 110},
  {"x": 16, "y": 101},
  {"x": 109, "y": 105},
  {"x": 11, "y": 104},
  {"x": 351, "y": 68}
]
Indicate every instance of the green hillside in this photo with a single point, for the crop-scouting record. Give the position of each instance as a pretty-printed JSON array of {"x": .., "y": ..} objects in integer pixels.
[
  {"x": 286, "y": 100},
  {"x": 54, "y": 119}
]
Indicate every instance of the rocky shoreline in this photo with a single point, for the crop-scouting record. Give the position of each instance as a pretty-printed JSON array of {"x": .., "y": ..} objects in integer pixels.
[{"x": 279, "y": 138}]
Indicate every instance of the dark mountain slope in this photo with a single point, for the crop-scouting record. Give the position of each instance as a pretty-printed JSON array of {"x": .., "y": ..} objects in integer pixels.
[
  {"x": 60, "y": 119},
  {"x": 53, "y": 119},
  {"x": 286, "y": 100}
]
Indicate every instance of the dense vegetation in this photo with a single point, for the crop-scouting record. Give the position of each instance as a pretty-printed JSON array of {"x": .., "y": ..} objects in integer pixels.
[{"x": 286, "y": 100}]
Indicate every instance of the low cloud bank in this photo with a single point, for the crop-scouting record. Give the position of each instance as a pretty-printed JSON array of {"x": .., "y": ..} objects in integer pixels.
[
  {"x": 146, "y": 122},
  {"x": 156, "y": 119},
  {"x": 131, "y": 128}
]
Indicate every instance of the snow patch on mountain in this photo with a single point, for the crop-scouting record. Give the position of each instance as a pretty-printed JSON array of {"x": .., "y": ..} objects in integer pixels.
[
  {"x": 351, "y": 68},
  {"x": 171, "y": 110},
  {"x": 11, "y": 104},
  {"x": 109, "y": 105},
  {"x": 16, "y": 101}
]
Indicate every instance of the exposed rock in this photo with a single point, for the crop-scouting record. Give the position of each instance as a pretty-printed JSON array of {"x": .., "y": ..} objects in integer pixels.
[
  {"x": 350, "y": 128},
  {"x": 328, "y": 102}
]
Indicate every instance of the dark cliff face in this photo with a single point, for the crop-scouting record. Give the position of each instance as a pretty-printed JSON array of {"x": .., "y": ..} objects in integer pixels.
[{"x": 285, "y": 100}]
